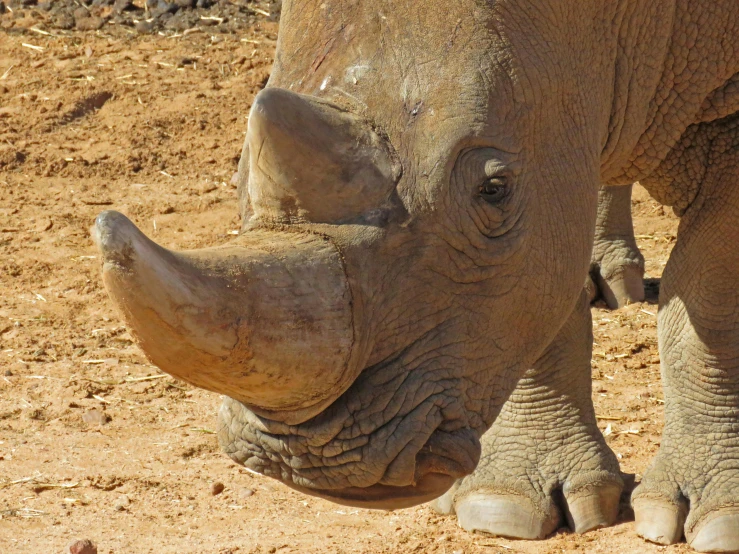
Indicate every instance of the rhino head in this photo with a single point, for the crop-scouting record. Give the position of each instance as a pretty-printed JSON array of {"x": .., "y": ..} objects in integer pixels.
[{"x": 418, "y": 190}]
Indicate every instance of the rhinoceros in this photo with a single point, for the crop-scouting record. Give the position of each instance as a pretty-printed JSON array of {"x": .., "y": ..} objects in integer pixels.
[{"x": 403, "y": 316}]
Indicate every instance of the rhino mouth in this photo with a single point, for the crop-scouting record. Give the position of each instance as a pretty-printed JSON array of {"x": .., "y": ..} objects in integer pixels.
[
  {"x": 434, "y": 475},
  {"x": 384, "y": 497},
  {"x": 408, "y": 459}
]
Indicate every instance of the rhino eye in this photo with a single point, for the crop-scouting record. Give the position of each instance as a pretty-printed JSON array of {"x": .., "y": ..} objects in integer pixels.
[{"x": 493, "y": 190}]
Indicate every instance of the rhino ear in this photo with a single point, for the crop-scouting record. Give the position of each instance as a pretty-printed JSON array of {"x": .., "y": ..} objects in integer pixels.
[{"x": 312, "y": 161}]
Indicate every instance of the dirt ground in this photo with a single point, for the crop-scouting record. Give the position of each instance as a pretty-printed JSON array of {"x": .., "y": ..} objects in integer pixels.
[{"x": 94, "y": 441}]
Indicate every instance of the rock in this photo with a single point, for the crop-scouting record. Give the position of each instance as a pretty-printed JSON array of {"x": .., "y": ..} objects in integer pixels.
[
  {"x": 96, "y": 417},
  {"x": 122, "y": 5},
  {"x": 63, "y": 21},
  {"x": 85, "y": 546},
  {"x": 216, "y": 488},
  {"x": 164, "y": 8},
  {"x": 144, "y": 27},
  {"x": 89, "y": 23},
  {"x": 162, "y": 17},
  {"x": 8, "y": 373},
  {"x": 185, "y": 3},
  {"x": 122, "y": 503},
  {"x": 182, "y": 21},
  {"x": 246, "y": 493}
]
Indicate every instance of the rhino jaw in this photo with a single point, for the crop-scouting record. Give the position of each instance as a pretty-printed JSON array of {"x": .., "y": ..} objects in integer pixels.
[{"x": 266, "y": 320}]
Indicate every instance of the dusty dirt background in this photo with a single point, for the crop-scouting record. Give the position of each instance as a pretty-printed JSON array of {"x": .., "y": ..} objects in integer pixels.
[{"x": 94, "y": 441}]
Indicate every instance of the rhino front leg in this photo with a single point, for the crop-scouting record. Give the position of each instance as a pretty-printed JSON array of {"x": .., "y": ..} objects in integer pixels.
[
  {"x": 544, "y": 458},
  {"x": 692, "y": 487},
  {"x": 617, "y": 266}
]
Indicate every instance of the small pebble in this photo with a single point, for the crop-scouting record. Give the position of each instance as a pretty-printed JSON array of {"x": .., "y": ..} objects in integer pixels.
[
  {"x": 216, "y": 488},
  {"x": 85, "y": 546},
  {"x": 89, "y": 23},
  {"x": 144, "y": 26},
  {"x": 95, "y": 417},
  {"x": 122, "y": 503},
  {"x": 63, "y": 21},
  {"x": 81, "y": 13},
  {"x": 164, "y": 7},
  {"x": 246, "y": 493},
  {"x": 8, "y": 373}
]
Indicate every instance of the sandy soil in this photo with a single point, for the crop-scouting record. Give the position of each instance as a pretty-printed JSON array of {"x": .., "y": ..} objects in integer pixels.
[{"x": 94, "y": 441}]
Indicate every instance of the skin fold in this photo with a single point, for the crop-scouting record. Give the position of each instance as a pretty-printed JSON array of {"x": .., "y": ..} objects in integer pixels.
[{"x": 439, "y": 167}]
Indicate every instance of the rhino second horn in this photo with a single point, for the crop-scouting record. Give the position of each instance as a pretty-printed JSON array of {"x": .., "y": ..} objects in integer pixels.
[
  {"x": 312, "y": 161},
  {"x": 265, "y": 320}
]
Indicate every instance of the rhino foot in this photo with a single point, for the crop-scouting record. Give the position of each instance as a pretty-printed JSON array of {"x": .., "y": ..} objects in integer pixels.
[
  {"x": 623, "y": 284},
  {"x": 617, "y": 265},
  {"x": 526, "y": 508},
  {"x": 677, "y": 496},
  {"x": 544, "y": 462}
]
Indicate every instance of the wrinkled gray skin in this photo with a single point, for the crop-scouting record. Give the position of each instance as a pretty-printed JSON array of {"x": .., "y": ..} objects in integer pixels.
[{"x": 438, "y": 166}]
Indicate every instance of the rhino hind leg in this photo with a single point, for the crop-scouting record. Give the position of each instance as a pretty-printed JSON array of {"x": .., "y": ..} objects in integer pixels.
[
  {"x": 544, "y": 461},
  {"x": 617, "y": 265},
  {"x": 692, "y": 486}
]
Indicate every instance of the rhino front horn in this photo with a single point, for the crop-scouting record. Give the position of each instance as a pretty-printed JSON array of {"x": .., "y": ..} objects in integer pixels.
[{"x": 266, "y": 320}]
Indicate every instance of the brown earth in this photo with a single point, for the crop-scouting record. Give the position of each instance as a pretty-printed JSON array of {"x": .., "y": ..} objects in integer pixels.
[{"x": 95, "y": 442}]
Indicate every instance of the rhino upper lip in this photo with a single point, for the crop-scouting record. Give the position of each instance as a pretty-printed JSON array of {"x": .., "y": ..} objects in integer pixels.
[{"x": 433, "y": 474}]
